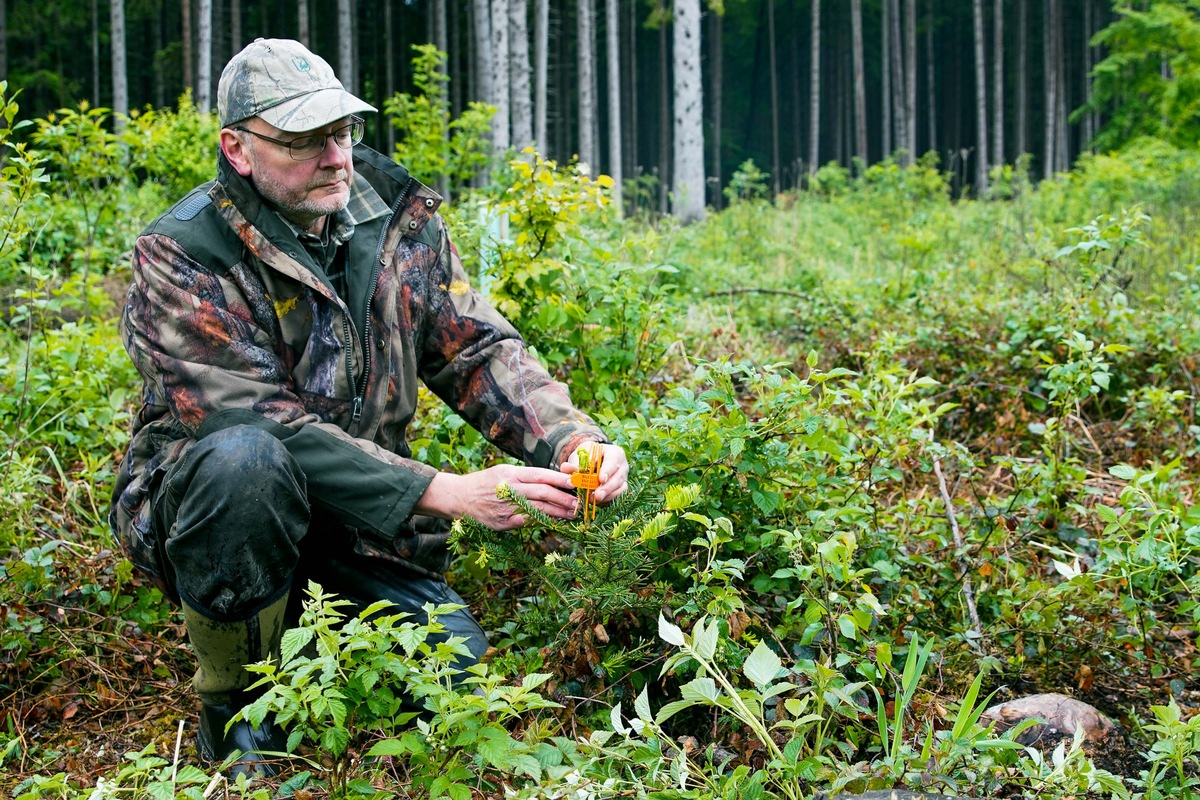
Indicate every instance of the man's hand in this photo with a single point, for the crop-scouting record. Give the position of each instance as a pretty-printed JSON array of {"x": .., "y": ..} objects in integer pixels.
[
  {"x": 452, "y": 496},
  {"x": 614, "y": 473}
]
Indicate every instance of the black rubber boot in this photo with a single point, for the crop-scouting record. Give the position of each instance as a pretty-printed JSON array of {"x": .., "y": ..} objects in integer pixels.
[
  {"x": 256, "y": 751},
  {"x": 223, "y": 648}
]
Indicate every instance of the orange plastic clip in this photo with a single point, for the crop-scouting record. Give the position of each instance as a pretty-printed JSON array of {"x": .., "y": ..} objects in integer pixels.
[{"x": 587, "y": 479}]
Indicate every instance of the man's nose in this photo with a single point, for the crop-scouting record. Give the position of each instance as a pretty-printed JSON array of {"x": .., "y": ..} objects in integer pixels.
[{"x": 334, "y": 156}]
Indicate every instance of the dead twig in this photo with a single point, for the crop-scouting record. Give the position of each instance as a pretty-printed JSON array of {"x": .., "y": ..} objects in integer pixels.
[{"x": 968, "y": 589}]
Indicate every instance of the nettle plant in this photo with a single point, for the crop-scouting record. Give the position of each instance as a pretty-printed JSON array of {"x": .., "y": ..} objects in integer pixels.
[{"x": 342, "y": 684}]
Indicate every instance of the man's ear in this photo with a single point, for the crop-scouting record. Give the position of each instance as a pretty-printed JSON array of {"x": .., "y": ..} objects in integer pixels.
[{"x": 236, "y": 151}]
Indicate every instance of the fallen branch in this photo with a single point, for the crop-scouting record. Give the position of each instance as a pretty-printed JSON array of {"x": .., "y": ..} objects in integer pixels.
[{"x": 968, "y": 589}]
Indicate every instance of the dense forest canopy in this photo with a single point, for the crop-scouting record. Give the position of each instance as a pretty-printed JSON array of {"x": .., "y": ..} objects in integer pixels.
[{"x": 779, "y": 76}]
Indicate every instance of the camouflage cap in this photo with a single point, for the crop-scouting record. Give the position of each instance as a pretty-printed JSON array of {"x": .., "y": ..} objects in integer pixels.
[{"x": 286, "y": 84}]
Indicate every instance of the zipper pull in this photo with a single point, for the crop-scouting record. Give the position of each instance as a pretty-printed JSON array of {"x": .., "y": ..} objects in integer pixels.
[{"x": 356, "y": 414}]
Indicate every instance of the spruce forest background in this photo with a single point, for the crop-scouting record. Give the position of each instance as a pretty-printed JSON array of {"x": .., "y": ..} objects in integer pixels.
[{"x": 909, "y": 398}]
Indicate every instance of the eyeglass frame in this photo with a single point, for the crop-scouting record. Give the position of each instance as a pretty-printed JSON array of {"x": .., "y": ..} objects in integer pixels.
[{"x": 324, "y": 137}]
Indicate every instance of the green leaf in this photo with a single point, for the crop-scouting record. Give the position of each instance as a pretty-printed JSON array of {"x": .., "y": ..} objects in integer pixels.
[
  {"x": 389, "y": 747},
  {"x": 1123, "y": 471},
  {"x": 847, "y": 627},
  {"x": 669, "y": 632},
  {"x": 700, "y": 690},
  {"x": 293, "y": 642},
  {"x": 1107, "y": 513},
  {"x": 762, "y": 666},
  {"x": 641, "y": 706},
  {"x": 704, "y": 639}
]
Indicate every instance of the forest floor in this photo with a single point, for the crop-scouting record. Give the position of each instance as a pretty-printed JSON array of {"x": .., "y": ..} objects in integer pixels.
[{"x": 118, "y": 692}]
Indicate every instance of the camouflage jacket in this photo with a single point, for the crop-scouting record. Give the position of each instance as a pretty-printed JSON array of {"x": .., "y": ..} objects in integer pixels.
[{"x": 229, "y": 321}]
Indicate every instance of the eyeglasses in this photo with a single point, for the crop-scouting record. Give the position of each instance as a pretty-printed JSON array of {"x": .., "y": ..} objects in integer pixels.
[{"x": 309, "y": 147}]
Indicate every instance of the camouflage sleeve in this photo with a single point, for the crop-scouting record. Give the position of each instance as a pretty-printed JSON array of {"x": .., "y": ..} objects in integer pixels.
[
  {"x": 201, "y": 354},
  {"x": 477, "y": 363}
]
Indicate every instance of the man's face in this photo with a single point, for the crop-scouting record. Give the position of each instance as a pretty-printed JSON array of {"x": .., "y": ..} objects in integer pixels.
[{"x": 304, "y": 191}]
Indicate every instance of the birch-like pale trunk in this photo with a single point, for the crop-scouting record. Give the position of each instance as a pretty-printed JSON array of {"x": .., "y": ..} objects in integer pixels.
[
  {"x": 773, "y": 71},
  {"x": 302, "y": 25},
  {"x": 981, "y": 145},
  {"x": 1022, "y": 77},
  {"x": 860, "y": 81},
  {"x": 204, "y": 47},
  {"x": 613, "y": 37},
  {"x": 518, "y": 75},
  {"x": 541, "y": 37},
  {"x": 998, "y": 82},
  {"x": 482, "y": 18},
  {"x": 1051, "y": 83},
  {"x": 501, "y": 91},
  {"x": 345, "y": 39},
  {"x": 814, "y": 96},
  {"x": 910, "y": 76},
  {"x": 120, "y": 75},
  {"x": 587, "y": 85},
  {"x": 688, "y": 186},
  {"x": 885, "y": 49},
  {"x": 898, "y": 84}
]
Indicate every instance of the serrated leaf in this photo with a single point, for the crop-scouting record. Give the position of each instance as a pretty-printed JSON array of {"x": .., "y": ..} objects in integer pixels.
[
  {"x": 1122, "y": 471},
  {"x": 700, "y": 690},
  {"x": 669, "y": 632},
  {"x": 1107, "y": 513},
  {"x": 614, "y": 717},
  {"x": 293, "y": 642},
  {"x": 762, "y": 666},
  {"x": 671, "y": 709},
  {"x": 704, "y": 640},
  {"x": 641, "y": 706},
  {"x": 388, "y": 747}
]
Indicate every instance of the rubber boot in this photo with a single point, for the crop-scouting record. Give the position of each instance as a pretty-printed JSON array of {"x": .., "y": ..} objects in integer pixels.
[{"x": 222, "y": 649}]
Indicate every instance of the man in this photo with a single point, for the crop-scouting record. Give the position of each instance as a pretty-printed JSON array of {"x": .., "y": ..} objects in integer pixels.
[{"x": 281, "y": 317}]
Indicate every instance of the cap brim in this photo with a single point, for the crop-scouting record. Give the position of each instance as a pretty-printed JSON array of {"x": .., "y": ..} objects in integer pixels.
[{"x": 314, "y": 110}]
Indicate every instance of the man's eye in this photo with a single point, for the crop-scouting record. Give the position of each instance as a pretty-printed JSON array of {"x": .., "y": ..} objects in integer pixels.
[{"x": 303, "y": 143}]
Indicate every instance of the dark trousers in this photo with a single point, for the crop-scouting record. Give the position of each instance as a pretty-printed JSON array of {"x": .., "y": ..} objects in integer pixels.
[{"x": 238, "y": 533}]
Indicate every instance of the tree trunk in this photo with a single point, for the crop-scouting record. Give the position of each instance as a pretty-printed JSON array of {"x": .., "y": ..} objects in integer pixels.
[
  {"x": 541, "y": 36},
  {"x": 886, "y": 73},
  {"x": 930, "y": 83},
  {"x": 587, "y": 86},
  {"x": 716, "y": 60},
  {"x": 981, "y": 155},
  {"x": 1022, "y": 77},
  {"x": 235, "y": 26},
  {"x": 664, "y": 121},
  {"x": 95, "y": 54},
  {"x": 4, "y": 38},
  {"x": 522, "y": 100},
  {"x": 688, "y": 186},
  {"x": 302, "y": 23},
  {"x": 204, "y": 47},
  {"x": 1062, "y": 158},
  {"x": 910, "y": 76},
  {"x": 860, "y": 82},
  {"x": 1089, "y": 129},
  {"x": 189, "y": 75},
  {"x": 345, "y": 34},
  {"x": 998, "y": 82},
  {"x": 899, "y": 109},
  {"x": 483, "y": 51},
  {"x": 773, "y": 71},
  {"x": 814, "y": 96},
  {"x": 1051, "y": 84},
  {"x": 501, "y": 91},
  {"x": 389, "y": 70},
  {"x": 120, "y": 79},
  {"x": 613, "y": 37}
]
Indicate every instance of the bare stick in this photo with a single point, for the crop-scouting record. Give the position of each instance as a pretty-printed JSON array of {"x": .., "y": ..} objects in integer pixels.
[{"x": 968, "y": 590}]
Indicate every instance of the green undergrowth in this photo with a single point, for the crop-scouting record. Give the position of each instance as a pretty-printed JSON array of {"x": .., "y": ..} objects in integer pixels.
[{"x": 891, "y": 452}]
